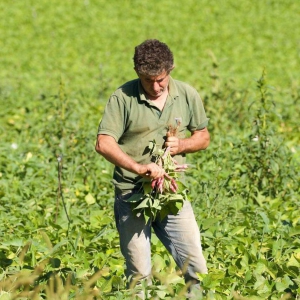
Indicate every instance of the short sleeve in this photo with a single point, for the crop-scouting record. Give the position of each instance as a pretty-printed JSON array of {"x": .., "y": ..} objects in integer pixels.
[
  {"x": 113, "y": 119},
  {"x": 198, "y": 118}
]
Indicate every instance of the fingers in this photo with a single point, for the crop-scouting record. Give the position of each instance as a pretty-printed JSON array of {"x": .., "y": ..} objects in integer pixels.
[
  {"x": 172, "y": 140},
  {"x": 154, "y": 171},
  {"x": 173, "y": 143}
]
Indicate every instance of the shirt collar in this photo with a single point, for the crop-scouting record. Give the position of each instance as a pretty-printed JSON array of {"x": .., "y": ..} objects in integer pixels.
[
  {"x": 173, "y": 92},
  {"x": 141, "y": 91}
]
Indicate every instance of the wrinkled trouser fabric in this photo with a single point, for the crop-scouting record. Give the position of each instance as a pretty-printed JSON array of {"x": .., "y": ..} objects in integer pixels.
[{"x": 178, "y": 233}]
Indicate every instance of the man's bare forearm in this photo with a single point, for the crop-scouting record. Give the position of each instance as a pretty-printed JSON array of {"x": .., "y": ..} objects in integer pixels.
[
  {"x": 110, "y": 150},
  {"x": 199, "y": 140}
]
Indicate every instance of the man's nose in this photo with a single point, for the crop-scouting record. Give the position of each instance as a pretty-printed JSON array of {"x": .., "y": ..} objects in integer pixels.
[{"x": 155, "y": 85}]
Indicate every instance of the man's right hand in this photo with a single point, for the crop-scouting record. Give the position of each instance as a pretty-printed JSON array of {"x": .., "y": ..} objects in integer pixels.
[{"x": 151, "y": 170}]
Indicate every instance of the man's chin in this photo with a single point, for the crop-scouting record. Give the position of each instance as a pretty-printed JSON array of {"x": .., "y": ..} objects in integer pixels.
[{"x": 157, "y": 94}]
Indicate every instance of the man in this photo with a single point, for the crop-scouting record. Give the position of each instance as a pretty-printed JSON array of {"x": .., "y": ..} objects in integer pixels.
[{"x": 137, "y": 113}]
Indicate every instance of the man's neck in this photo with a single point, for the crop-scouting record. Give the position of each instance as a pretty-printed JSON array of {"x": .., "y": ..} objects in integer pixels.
[{"x": 160, "y": 100}]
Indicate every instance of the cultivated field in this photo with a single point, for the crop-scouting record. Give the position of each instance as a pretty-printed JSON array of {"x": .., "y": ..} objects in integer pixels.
[{"x": 60, "y": 61}]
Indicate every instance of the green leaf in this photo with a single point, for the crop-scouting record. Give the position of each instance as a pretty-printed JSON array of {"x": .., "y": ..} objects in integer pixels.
[
  {"x": 13, "y": 242},
  {"x": 260, "y": 267},
  {"x": 147, "y": 187},
  {"x": 181, "y": 187},
  {"x": 100, "y": 218},
  {"x": 156, "y": 204},
  {"x": 5, "y": 262},
  {"x": 294, "y": 260},
  {"x": 105, "y": 284},
  {"x": 145, "y": 203},
  {"x": 264, "y": 217},
  {"x": 163, "y": 198},
  {"x": 163, "y": 212},
  {"x": 147, "y": 215},
  {"x": 152, "y": 146},
  {"x": 55, "y": 262},
  {"x": 179, "y": 205},
  {"x": 89, "y": 198},
  {"x": 209, "y": 222},
  {"x": 283, "y": 283},
  {"x": 237, "y": 230},
  {"x": 294, "y": 231},
  {"x": 175, "y": 197},
  {"x": 173, "y": 208},
  {"x": 5, "y": 296},
  {"x": 274, "y": 167},
  {"x": 161, "y": 294},
  {"x": 158, "y": 262}
]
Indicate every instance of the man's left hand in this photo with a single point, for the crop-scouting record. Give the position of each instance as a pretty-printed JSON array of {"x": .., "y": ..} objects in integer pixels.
[
  {"x": 199, "y": 140},
  {"x": 174, "y": 143}
]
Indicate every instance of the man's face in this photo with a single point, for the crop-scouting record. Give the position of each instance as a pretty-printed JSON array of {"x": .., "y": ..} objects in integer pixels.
[{"x": 154, "y": 86}]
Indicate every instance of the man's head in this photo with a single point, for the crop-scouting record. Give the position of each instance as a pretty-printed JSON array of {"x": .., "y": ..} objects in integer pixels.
[{"x": 152, "y": 58}]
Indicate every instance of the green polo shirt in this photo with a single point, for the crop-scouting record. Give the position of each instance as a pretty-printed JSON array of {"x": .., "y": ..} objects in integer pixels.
[{"x": 133, "y": 121}]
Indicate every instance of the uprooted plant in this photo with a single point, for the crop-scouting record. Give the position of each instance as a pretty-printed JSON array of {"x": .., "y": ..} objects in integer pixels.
[{"x": 163, "y": 195}]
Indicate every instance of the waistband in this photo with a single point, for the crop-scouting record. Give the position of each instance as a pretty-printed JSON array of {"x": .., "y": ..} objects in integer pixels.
[{"x": 130, "y": 191}]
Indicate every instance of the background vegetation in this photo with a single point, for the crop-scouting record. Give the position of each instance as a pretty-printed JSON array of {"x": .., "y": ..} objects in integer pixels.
[{"x": 60, "y": 60}]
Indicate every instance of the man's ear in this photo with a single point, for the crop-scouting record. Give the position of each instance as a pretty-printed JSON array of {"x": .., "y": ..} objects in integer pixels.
[{"x": 171, "y": 70}]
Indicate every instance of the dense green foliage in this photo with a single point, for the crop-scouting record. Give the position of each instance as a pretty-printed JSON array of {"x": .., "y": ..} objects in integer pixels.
[{"x": 60, "y": 60}]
